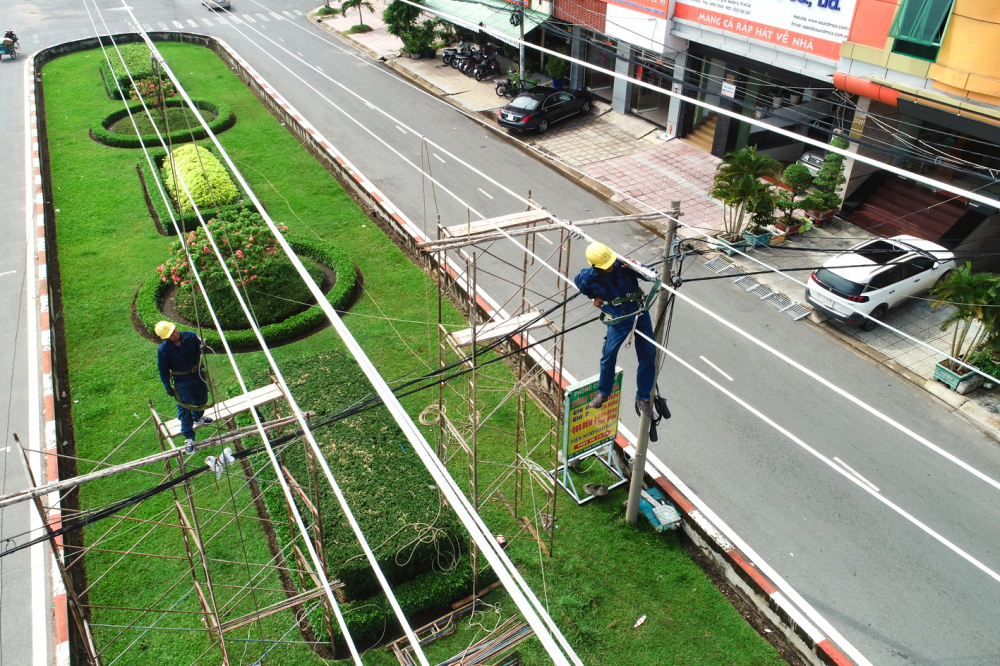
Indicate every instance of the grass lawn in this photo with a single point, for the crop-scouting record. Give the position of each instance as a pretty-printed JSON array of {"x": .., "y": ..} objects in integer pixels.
[{"x": 108, "y": 245}]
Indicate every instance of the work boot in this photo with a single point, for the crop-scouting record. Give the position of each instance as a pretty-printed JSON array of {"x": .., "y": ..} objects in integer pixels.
[
  {"x": 646, "y": 408},
  {"x": 598, "y": 401},
  {"x": 189, "y": 446},
  {"x": 204, "y": 420}
]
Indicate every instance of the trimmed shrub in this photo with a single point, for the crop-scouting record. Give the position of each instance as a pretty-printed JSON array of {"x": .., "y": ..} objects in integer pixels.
[
  {"x": 149, "y": 300},
  {"x": 273, "y": 288},
  {"x": 137, "y": 58},
  {"x": 101, "y": 131},
  {"x": 158, "y": 208},
  {"x": 207, "y": 181},
  {"x": 389, "y": 492}
]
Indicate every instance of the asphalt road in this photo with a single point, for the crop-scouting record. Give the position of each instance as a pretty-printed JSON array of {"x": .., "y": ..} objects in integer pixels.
[{"x": 907, "y": 572}]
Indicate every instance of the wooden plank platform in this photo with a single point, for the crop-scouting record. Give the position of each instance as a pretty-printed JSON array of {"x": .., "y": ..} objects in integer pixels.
[
  {"x": 231, "y": 407},
  {"x": 497, "y": 329},
  {"x": 504, "y": 222}
]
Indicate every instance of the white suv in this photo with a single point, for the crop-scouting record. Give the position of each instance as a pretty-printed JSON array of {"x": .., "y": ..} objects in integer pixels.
[{"x": 876, "y": 275}]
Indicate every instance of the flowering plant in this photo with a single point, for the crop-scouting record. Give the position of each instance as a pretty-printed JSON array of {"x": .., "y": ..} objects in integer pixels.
[
  {"x": 266, "y": 277},
  {"x": 149, "y": 89}
]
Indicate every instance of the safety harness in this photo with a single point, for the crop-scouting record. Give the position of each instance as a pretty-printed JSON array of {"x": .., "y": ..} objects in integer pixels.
[
  {"x": 203, "y": 376},
  {"x": 636, "y": 296}
]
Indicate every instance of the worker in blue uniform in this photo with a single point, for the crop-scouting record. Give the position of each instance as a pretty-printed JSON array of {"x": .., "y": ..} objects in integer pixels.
[
  {"x": 614, "y": 288},
  {"x": 179, "y": 358}
]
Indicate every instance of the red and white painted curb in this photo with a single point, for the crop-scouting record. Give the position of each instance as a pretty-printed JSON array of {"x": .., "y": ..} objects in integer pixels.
[{"x": 60, "y": 619}]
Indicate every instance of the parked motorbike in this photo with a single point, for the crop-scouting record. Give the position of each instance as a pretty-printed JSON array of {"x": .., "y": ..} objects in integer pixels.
[{"x": 487, "y": 68}]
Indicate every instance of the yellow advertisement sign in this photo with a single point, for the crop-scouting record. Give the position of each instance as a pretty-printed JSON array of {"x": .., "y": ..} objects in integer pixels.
[{"x": 587, "y": 428}]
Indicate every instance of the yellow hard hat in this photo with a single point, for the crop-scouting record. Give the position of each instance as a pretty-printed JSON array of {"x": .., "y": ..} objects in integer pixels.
[
  {"x": 165, "y": 329},
  {"x": 600, "y": 255}
]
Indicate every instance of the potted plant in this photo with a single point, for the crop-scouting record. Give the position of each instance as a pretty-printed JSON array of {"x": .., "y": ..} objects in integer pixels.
[
  {"x": 738, "y": 185},
  {"x": 824, "y": 201},
  {"x": 557, "y": 68},
  {"x": 797, "y": 181},
  {"x": 975, "y": 298},
  {"x": 758, "y": 232},
  {"x": 419, "y": 38}
]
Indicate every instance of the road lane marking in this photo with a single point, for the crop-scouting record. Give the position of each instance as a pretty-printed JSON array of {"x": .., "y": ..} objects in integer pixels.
[
  {"x": 439, "y": 158},
  {"x": 263, "y": 18},
  {"x": 234, "y": 18},
  {"x": 298, "y": 12},
  {"x": 860, "y": 478},
  {"x": 486, "y": 193},
  {"x": 401, "y": 129},
  {"x": 318, "y": 68},
  {"x": 207, "y": 22},
  {"x": 288, "y": 13},
  {"x": 829, "y": 463},
  {"x": 163, "y": 26},
  {"x": 147, "y": 27},
  {"x": 221, "y": 20},
  {"x": 300, "y": 53},
  {"x": 7, "y": 273},
  {"x": 276, "y": 15},
  {"x": 543, "y": 236},
  {"x": 717, "y": 369},
  {"x": 193, "y": 23},
  {"x": 247, "y": 17},
  {"x": 178, "y": 24}
]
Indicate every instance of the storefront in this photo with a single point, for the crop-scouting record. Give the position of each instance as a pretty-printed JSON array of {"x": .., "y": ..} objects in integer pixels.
[
  {"x": 778, "y": 97},
  {"x": 598, "y": 50},
  {"x": 652, "y": 68}
]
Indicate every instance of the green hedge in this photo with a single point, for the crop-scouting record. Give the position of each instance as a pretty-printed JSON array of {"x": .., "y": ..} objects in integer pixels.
[
  {"x": 386, "y": 487},
  {"x": 136, "y": 57},
  {"x": 101, "y": 131},
  {"x": 207, "y": 181},
  {"x": 150, "y": 297},
  {"x": 187, "y": 221}
]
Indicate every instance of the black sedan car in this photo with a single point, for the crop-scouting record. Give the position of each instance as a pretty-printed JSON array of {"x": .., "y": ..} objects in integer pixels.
[{"x": 538, "y": 108}]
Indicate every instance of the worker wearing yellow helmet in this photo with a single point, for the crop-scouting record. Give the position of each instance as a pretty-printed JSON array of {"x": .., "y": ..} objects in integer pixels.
[
  {"x": 614, "y": 288},
  {"x": 179, "y": 358}
]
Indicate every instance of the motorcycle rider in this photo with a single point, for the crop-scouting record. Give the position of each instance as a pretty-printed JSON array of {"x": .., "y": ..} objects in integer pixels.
[{"x": 11, "y": 36}]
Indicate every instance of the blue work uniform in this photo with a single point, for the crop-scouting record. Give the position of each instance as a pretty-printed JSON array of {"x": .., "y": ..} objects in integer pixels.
[
  {"x": 181, "y": 362},
  {"x": 621, "y": 282}
]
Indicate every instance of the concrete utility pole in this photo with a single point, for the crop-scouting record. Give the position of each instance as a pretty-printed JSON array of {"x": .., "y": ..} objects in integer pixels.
[
  {"x": 639, "y": 462},
  {"x": 520, "y": 46}
]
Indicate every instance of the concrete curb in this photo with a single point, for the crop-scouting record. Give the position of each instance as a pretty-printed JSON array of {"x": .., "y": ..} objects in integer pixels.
[
  {"x": 485, "y": 118},
  {"x": 738, "y": 567},
  {"x": 60, "y": 610}
]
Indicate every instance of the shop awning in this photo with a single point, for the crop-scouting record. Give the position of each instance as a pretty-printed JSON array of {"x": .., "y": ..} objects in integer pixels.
[{"x": 495, "y": 17}]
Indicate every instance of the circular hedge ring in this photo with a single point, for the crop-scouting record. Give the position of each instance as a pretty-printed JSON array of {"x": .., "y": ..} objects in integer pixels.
[
  {"x": 101, "y": 131},
  {"x": 150, "y": 299}
]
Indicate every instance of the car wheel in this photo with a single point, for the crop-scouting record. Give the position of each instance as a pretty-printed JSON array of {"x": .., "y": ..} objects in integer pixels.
[
  {"x": 586, "y": 108},
  {"x": 877, "y": 313},
  {"x": 543, "y": 126}
]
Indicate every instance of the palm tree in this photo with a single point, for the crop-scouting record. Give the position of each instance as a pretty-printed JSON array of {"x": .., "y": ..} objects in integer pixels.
[
  {"x": 738, "y": 185},
  {"x": 975, "y": 298},
  {"x": 359, "y": 4}
]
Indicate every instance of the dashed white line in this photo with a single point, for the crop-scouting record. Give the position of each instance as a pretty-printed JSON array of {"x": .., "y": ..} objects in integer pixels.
[
  {"x": 263, "y": 18},
  {"x": 247, "y": 17},
  {"x": 439, "y": 158},
  {"x": 318, "y": 68},
  {"x": 543, "y": 237},
  {"x": 207, "y": 22},
  {"x": 401, "y": 129},
  {"x": 147, "y": 27},
  {"x": 7, "y": 273},
  {"x": 485, "y": 192},
  {"x": 288, "y": 13},
  {"x": 235, "y": 19},
  {"x": 178, "y": 24},
  {"x": 717, "y": 369},
  {"x": 163, "y": 26},
  {"x": 276, "y": 16},
  {"x": 193, "y": 23},
  {"x": 298, "y": 12},
  {"x": 856, "y": 475},
  {"x": 221, "y": 20},
  {"x": 300, "y": 54}
]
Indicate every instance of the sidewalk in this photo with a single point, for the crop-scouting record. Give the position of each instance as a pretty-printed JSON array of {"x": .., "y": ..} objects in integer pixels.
[{"x": 631, "y": 156}]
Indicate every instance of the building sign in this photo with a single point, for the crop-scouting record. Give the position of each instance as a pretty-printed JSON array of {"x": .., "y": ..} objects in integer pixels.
[
  {"x": 587, "y": 428},
  {"x": 729, "y": 89},
  {"x": 817, "y": 27},
  {"x": 657, "y": 8}
]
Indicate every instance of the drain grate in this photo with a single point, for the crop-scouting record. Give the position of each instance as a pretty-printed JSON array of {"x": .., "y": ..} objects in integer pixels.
[
  {"x": 779, "y": 302},
  {"x": 795, "y": 312}
]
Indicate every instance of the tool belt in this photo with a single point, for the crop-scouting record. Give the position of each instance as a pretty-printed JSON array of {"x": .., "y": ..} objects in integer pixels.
[
  {"x": 204, "y": 377},
  {"x": 636, "y": 296}
]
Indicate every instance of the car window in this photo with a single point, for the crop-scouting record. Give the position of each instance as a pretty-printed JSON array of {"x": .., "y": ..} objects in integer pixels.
[
  {"x": 550, "y": 102},
  {"x": 526, "y": 103},
  {"x": 886, "y": 278},
  {"x": 564, "y": 97},
  {"x": 837, "y": 284},
  {"x": 917, "y": 266}
]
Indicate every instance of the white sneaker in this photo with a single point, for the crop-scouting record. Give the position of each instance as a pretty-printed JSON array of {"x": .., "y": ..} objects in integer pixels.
[
  {"x": 189, "y": 446},
  {"x": 204, "y": 420}
]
